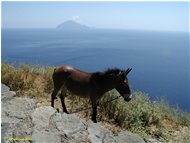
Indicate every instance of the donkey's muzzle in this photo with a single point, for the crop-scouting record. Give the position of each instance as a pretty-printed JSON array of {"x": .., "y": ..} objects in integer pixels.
[{"x": 128, "y": 98}]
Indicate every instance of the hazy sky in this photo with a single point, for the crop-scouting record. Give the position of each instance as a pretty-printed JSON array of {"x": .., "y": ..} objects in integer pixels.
[{"x": 172, "y": 16}]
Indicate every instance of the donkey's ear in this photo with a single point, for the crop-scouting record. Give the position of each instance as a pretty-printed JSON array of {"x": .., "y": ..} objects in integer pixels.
[
  {"x": 120, "y": 73},
  {"x": 128, "y": 70}
]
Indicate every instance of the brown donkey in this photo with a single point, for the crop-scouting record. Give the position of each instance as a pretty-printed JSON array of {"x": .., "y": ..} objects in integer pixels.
[{"x": 91, "y": 85}]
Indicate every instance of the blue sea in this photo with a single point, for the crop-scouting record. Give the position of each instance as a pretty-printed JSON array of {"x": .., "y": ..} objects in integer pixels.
[{"x": 160, "y": 60}]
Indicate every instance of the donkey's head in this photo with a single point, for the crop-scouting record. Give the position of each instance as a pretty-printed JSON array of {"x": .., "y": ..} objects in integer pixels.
[
  {"x": 116, "y": 78},
  {"x": 123, "y": 86}
]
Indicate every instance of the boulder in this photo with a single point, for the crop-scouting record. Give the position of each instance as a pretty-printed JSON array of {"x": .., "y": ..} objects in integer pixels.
[
  {"x": 128, "y": 137},
  {"x": 4, "y": 88},
  {"x": 99, "y": 134}
]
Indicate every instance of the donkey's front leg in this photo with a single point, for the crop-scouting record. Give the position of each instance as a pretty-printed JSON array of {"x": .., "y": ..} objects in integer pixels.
[
  {"x": 94, "y": 112},
  {"x": 62, "y": 97}
]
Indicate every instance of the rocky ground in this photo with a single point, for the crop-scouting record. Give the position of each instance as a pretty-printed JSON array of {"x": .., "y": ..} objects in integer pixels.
[{"x": 26, "y": 120}]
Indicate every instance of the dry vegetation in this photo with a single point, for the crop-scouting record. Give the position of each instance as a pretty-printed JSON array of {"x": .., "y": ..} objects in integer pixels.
[{"x": 141, "y": 115}]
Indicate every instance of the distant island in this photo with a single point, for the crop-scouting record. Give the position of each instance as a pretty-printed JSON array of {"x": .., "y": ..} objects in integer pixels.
[{"x": 72, "y": 25}]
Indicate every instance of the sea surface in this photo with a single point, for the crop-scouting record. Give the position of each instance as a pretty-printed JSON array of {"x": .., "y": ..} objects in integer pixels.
[{"x": 159, "y": 60}]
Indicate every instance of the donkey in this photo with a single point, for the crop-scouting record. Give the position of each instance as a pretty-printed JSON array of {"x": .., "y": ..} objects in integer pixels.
[{"x": 89, "y": 85}]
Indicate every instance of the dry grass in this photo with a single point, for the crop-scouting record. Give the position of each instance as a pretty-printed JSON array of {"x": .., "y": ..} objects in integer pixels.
[
  {"x": 141, "y": 115},
  {"x": 31, "y": 80}
]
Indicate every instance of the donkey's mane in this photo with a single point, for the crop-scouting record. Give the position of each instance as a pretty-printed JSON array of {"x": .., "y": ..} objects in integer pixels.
[
  {"x": 112, "y": 71},
  {"x": 99, "y": 75}
]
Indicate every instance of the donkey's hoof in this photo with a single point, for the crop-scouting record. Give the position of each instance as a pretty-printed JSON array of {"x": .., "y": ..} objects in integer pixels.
[
  {"x": 57, "y": 110},
  {"x": 94, "y": 120},
  {"x": 66, "y": 112}
]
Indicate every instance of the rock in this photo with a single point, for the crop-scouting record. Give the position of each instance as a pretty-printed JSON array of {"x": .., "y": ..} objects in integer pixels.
[
  {"x": 41, "y": 116},
  {"x": 6, "y": 96},
  {"x": 15, "y": 116},
  {"x": 128, "y": 137},
  {"x": 70, "y": 127},
  {"x": 98, "y": 134},
  {"x": 17, "y": 108},
  {"x": 4, "y": 88},
  {"x": 44, "y": 136},
  {"x": 69, "y": 124},
  {"x": 22, "y": 118},
  {"x": 5, "y": 132},
  {"x": 41, "y": 125},
  {"x": 150, "y": 140}
]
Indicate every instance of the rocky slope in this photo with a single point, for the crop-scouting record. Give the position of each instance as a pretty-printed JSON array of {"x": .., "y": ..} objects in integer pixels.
[{"x": 23, "y": 118}]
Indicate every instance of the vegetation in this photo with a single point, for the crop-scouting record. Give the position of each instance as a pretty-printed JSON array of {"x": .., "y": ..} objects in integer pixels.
[{"x": 149, "y": 119}]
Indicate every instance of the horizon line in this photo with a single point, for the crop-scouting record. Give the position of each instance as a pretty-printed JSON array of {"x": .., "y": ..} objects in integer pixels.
[{"x": 95, "y": 28}]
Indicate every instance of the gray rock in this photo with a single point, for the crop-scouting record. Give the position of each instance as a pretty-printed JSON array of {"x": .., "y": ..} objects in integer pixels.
[
  {"x": 17, "y": 108},
  {"x": 22, "y": 118},
  {"x": 42, "y": 132},
  {"x": 150, "y": 140},
  {"x": 4, "y": 88},
  {"x": 128, "y": 137},
  {"x": 45, "y": 136},
  {"x": 6, "y": 96},
  {"x": 98, "y": 134},
  {"x": 41, "y": 116},
  {"x": 15, "y": 116},
  {"x": 68, "y": 124},
  {"x": 5, "y": 134}
]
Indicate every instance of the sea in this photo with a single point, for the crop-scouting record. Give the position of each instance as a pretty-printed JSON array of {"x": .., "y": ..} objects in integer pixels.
[{"x": 159, "y": 59}]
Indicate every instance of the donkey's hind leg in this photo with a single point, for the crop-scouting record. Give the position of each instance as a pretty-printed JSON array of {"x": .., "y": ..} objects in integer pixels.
[
  {"x": 62, "y": 97},
  {"x": 53, "y": 96},
  {"x": 94, "y": 110}
]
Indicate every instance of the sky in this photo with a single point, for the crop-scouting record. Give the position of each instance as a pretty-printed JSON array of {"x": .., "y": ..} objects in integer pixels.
[{"x": 164, "y": 16}]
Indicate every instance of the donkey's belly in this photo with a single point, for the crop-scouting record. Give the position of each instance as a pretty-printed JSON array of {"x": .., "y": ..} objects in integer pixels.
[{"x": 81, "y": 90}]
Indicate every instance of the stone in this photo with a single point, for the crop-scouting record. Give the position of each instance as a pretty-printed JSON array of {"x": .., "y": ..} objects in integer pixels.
[
  {"x": 44, "y": 136},
  {"x": 18, "y": 108},
  {"x": 150, "y": 140},
  {"x": 6, "y": 96},
  {"x": 42, "y": 132},
  {"x": 128, "y": 137},
  {"x": 41, "y": 116},
  {"x": 15, "y": 116},
  {"x": 68, "y": 124},
  {"x": 98, "y": 134},
  {"x": 4, "y": 88}
]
